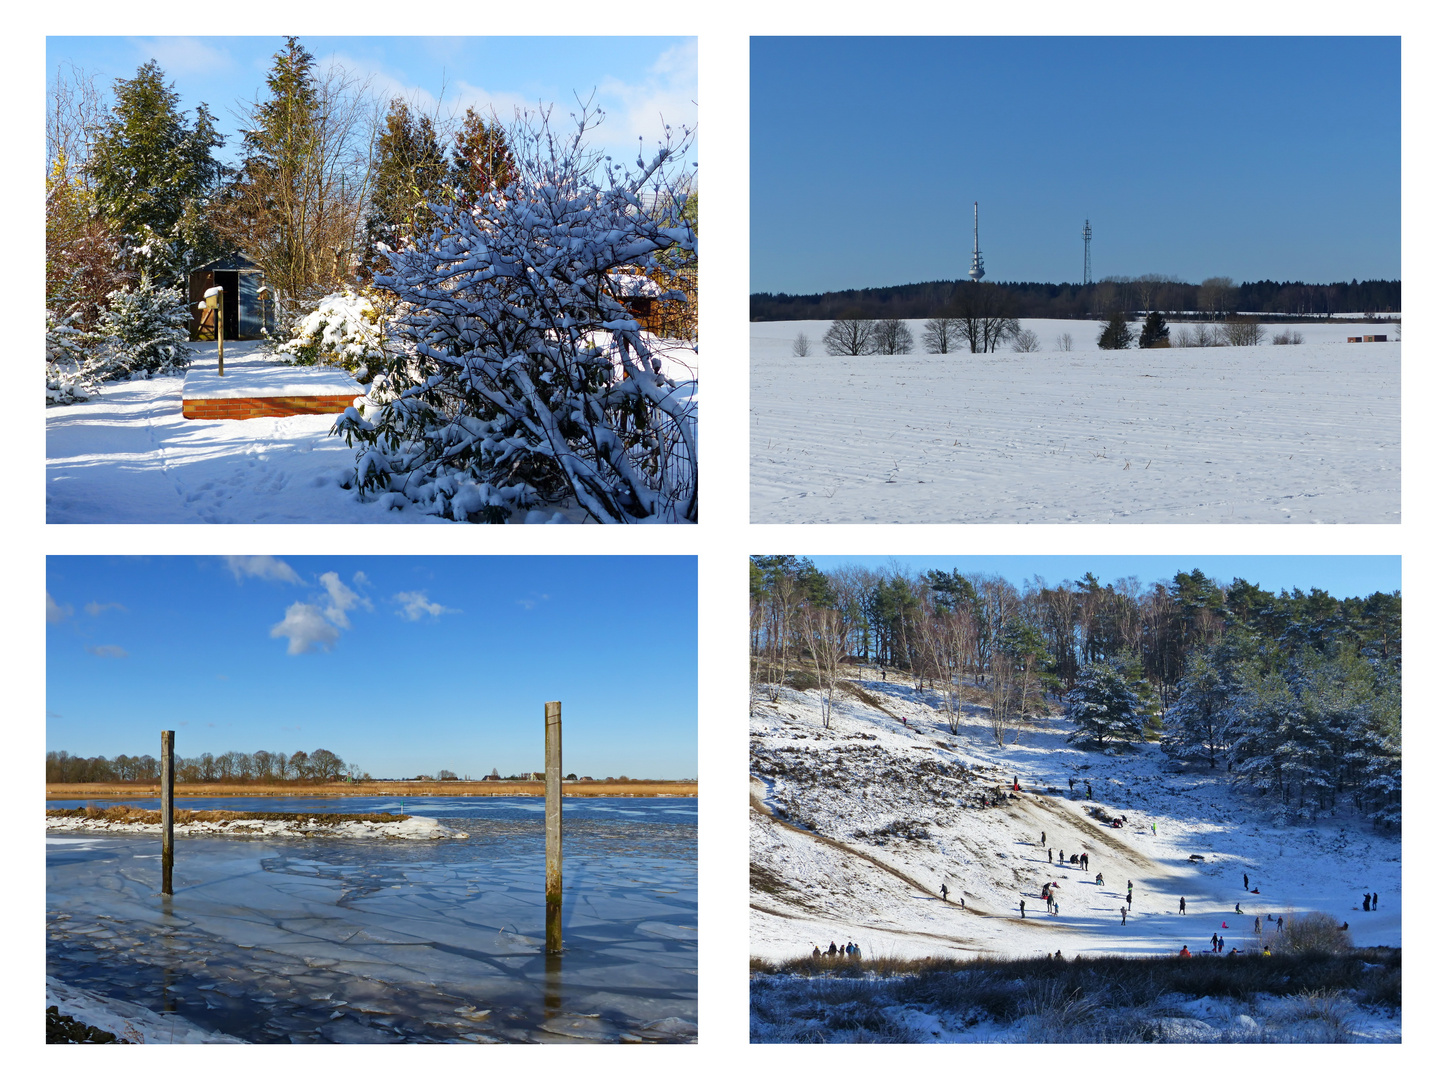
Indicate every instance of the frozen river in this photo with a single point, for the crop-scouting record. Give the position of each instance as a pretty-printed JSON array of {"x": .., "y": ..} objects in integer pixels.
[{"x": 392, "y": 941}]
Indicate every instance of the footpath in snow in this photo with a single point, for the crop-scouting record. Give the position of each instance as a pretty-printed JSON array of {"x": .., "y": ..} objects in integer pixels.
[
  {"x": 854, "y": 829},
  {"x": 1266, "y": 433}
]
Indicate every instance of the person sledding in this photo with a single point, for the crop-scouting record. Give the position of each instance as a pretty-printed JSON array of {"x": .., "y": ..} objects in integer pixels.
[{"x": 1100, "y": 880}]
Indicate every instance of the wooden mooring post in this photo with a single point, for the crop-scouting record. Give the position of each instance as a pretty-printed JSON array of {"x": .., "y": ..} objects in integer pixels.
[
  {"x": 167, "y": 812},
  {"x": 552, "y": 827}
]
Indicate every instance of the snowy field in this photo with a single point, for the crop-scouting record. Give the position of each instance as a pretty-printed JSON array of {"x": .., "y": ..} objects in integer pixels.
[
  {"x": 334, "y": 940},
  {"x": 1268, "y": 433},
  {"x": 815, "y": 791}
]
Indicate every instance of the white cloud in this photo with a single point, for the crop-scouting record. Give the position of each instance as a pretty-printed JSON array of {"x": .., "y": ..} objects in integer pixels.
[
  {"x": 95, "y": 608},
  {"x": 56, "y": 611},
  {"x": 360, "y": 580},
  {"x": 414, "y": 605},
  {"x": 183, "y": 55},
  {"x": 668, "y": 92},
  {"x": 109, "y": 652},
  {"x": 342, "y": 599},
  {"x": 264, "y": 567},
  {"x": 530, "y": 601},
  {"x": 307, "y": 628}
]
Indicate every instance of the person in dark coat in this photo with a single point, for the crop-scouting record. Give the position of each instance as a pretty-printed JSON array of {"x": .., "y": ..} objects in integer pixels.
[
  {"x": 1367, "y": 901},
  {"x": 816, "y": 953},
  {"x": 1072, "y": 783},
  {"x": 833, "y": 950},
  {"x": 1247, "y": 882},
  {"x": 1280, "y": 924},
  {"x": 1374, "y": 901},
  {"x": 1050, "y": 856},
  {"x": 1129, "y": 898},
  {"x": 1182, "y": 905},
  {"x": 1122, "y": 916},
  {"x": 1042, "y": 837},
  {"x": 1022, "y": 909},
  {"x": 1089, "y": 794},
  {"x": 1237, "y": 909},
  {"x": 1214, "y": 942}
]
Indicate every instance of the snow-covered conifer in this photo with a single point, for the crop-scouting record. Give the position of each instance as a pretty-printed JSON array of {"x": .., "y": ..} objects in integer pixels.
[
  {"x": 144, "y": 331},
  {"x": 1103, "y": 707},
  {"x": 523, "y": 379}
]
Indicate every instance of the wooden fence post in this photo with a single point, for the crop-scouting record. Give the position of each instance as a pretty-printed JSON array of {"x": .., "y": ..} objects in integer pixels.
[
  {"x": 167, "y": 812},
  {"x": 552, "y": 827}
]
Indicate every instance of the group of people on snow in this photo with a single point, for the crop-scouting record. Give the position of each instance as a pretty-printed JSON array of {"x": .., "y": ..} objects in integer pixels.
[{"x": 851, "y": 951}]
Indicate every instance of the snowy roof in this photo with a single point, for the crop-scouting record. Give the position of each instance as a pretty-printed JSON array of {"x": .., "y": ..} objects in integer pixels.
[{"x": 634, "y": 285}]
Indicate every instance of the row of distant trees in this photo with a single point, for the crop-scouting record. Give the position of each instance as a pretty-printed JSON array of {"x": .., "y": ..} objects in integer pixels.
[
  {"x": 1213, "y": 298},
  {"x": 230, "y": 767}
]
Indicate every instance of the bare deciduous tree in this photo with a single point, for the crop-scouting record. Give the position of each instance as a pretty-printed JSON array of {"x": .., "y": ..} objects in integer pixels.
[
  {"x": 892, "y": 337},
  {"x": 942, "y": 335},
  {"x": 800, "y": 346},
  {"x": 1065, "y": 342},
  {"x": 850, "y": 337},
  {"x": 1026, "y": 341},
  {"x": 826, "y": 631},
  {"x": 1243, "y": 331}
]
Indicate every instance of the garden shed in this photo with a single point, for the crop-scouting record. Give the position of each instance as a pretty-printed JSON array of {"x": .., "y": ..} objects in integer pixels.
[{"x": 247, "y": 309}]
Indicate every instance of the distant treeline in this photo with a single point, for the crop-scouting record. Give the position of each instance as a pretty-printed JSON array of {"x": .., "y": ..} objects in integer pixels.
[
  {"x": 230, "y": 767},
  {"x": 1042, "y": 300},
  {"x": 1295, "y": 693}
]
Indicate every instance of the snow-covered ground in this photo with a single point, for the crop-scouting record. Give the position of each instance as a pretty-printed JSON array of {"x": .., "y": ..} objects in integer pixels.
[
  {"x": 412, "y": 828},
  {"x": 129, "y": 456},
  {"x": 1267, "y": 433},
  {"x": 828, "y": 861}
]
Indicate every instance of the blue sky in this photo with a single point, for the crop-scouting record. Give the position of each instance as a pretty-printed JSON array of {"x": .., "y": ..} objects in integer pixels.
[
  {"x": 636, "y": 80},
  {"x": 1246, "y": 157},
  {"x": 402, "y": 665},
  {"x": 1340, "y": 575}
]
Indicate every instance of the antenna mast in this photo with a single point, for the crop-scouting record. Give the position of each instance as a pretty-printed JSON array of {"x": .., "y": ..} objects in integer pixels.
[
  {"x": 977, "y": 264},
  {"x": 1086, "y": 234}
]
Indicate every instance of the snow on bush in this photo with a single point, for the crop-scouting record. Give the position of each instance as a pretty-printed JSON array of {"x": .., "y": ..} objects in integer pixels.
[
  {"x": 143, "y": 332},
  {"x": 346, "y": 329},
  {"x": 520, "y": 379}
]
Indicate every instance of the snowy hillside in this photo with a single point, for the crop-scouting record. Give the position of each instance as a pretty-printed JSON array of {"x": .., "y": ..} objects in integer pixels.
[
  {"x": 1263, "y": 433},
  {"x": 854, "y": 829}
]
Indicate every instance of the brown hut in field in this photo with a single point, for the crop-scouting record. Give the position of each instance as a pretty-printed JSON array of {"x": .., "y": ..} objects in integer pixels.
[{"x": 247, "y": 307}]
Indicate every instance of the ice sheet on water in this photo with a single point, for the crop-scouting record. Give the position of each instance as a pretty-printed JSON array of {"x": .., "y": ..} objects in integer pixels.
[{"x": 325, "y": 940}]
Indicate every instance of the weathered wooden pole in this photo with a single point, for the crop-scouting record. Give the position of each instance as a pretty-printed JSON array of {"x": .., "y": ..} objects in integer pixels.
[
  {"x": 220, "y": 330},
  {"x": 552, "y": 827},
  {"x": 167, "y": 811}
]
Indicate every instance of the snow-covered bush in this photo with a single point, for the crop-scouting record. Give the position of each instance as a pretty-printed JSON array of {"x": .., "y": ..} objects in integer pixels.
[
  {"x": 346, "y": 329},
  {"x": 145, "y": 331},
  {"x": 520, "y": 378},
  {"x": 65, "y": 361}
]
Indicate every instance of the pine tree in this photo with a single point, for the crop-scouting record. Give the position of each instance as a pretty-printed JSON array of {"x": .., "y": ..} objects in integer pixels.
[
  {"x": 1155, "y": 334},
  {"x": 481, "y": 160},
  {"x": 1117, "y": 334},
  {"x": 1103, "y": 707},
  {"x": 153, "y": 175},
  {"x": 409, "y": 175}
]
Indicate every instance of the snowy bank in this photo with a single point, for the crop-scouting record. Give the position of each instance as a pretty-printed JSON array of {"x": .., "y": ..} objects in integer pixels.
[
  {"x": 127, "y": 1021},
  {"x": 412, "y": 828}
]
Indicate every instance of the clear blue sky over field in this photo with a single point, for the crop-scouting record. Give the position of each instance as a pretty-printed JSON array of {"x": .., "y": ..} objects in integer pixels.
[
  {"x": 402, "y": 665},
  {"x": 635, "y": 80},
  {"x": 1250, "y": 158},
  {"x": 1340, "y": 575}
]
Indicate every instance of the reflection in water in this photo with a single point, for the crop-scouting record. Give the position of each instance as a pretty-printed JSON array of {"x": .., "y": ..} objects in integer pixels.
[{"x": 356, "y": 941}]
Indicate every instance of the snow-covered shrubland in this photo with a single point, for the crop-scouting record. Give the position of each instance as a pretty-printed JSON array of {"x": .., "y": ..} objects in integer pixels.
[
  {"x": 346, "y": 329},
  {"x": 858, "y": 822},
  {"x": 520, "y": 380},
  {"x": 411, "y": 827},
  {"x": 142, "y": 332}
]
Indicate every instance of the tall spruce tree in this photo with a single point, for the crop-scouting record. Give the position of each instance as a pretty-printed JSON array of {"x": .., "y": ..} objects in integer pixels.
[
  {"x": 1103, "y": 707},
  {"x": 1117, "y": 333},
  {"x": 409, "y": 176},
  {"x": 481, "y": 160},
  {"x": 153, "y": 176},
  {"x": 1155, "y": 334}
]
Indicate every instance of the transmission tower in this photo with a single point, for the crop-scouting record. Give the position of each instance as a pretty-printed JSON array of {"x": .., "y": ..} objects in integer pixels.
[
  {"x": 977, "y": 264},
  {"x": 1086, "y": 234}
]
